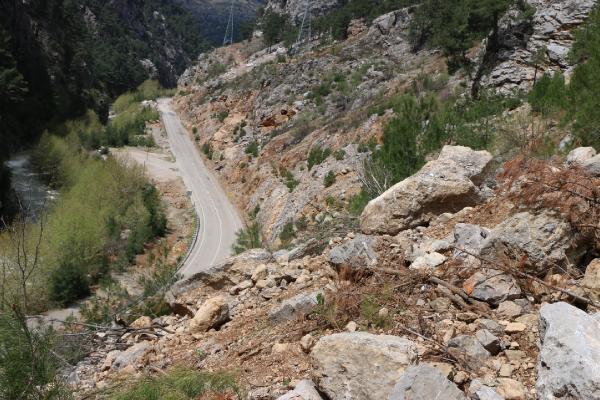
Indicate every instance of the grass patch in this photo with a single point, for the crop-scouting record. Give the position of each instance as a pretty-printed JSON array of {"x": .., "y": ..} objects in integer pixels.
[{"x": 180, "y": 384}]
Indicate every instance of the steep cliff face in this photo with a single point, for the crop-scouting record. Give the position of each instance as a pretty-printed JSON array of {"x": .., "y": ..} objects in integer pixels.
[
  {"x": 528, "y": 49},
  {"x": 296, "y": 8}
]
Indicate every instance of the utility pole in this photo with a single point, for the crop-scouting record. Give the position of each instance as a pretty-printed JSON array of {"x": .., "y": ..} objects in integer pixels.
[
  {"x": 228, "y": 39},
  {"x": 305, "y": 32}
]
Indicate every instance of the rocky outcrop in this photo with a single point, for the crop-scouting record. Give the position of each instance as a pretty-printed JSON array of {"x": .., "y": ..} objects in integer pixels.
[
  {"x": 550, "y": 31},
  {"x": 425, "y": 382},
  {"x": 540, "y": 241},
  {"x": 296, "y": 8},
  {"x": 569, "y": 354},
  {"x": 447, "y": 184},
  {"x": 360, "y": 365}
]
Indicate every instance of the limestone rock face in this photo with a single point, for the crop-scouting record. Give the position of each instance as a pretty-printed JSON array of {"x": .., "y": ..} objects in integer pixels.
[
  {"x": 360, "y": 365},
  {"x": 447, "y": 184},
  {"x": 424, "y": 382},
  {"x": 212, "y": 313},
  {"x": 569, "y": 355},
  {"x": 550, "y": 29}
]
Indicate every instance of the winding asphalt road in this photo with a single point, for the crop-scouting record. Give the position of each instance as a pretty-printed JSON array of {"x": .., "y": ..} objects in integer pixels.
[{"x": 218, "y": 218}]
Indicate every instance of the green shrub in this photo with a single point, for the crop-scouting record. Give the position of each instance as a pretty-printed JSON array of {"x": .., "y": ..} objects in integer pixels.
[
  {"x": 329, "y": 179},
  {"x": 287, "y": 234},
  {"x": 289, "y": 179},
  {"x": 68, "y": 283},
  {"x": 339, "y": 155},
  {"x": 207, "y": 150},
  {"x": 247, "y": 239},
  {"x": 28, "y": 366},
  {"x": 317, "y": 155},
  {"x": 252, "y": 148},
  {"x": 221, "y": 116},
  {"x": 358, "y": 202},
  {"x": 549, "y": 95}
]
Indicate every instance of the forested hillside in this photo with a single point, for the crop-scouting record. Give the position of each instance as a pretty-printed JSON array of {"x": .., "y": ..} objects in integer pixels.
[{"x": 59, "y": 58}]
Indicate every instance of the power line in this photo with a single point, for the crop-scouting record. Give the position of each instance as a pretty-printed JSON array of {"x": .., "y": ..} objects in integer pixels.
[{"x": 228, "y": 39}]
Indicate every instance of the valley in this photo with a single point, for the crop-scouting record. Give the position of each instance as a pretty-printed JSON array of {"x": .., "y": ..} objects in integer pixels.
[{"x": 361, "y": 199}]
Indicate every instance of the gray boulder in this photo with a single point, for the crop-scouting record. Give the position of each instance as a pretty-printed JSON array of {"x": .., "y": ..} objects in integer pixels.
[
  {"x": 469, "y": 348},
  {"x": 479, "y": 391},
  {"x": 447, "y": 184},
  {"x": 424, "y": 382},
  {"x": 569, "y": 364},
  {"x": 492, "y": 286},
  {"x": 131, "y": 356},
  {"x": 489, "y": 341},
  {"x": 541, "y": 241},
  {"x": 357, "y": 252},
  {"x": 292, "y": 308},
  {"x": 360, "y": 365},
  {"x": 470, "y": 238},
  {"x": 304, "y": 390},
  {"x": 580, "y": 155},
  {"x": 592, "y": 165}
]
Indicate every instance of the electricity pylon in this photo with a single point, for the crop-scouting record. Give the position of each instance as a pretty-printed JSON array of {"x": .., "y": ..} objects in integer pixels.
[
  {"x": 305, "y": 32},
  {"x": 228, "y": 39}
]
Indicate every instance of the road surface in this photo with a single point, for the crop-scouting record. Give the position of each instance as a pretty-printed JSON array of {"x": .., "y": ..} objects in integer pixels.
[{"x": 218, "y": 218}]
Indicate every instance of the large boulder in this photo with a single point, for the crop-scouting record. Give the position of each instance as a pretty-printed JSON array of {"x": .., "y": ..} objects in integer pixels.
[
  {"x": 361, "y": 365},
  {"x": 291, "y": 308},
  {"x": 569, "y": 364},
  {"x": 580, "y": 155},
  {"x": 447, "y": 184},
  {"x": 539, "y": 241},
  {"x": 357, "y": 252},
  {"x": 424, "y": 382},
  {"x": 213, "y": 313}
]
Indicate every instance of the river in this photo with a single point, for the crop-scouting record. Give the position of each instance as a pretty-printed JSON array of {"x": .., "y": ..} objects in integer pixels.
[{"x": 34, "y": 195}]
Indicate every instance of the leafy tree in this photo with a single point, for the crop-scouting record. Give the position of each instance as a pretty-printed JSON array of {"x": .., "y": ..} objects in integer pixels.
[{"x": 247, "y": 239}]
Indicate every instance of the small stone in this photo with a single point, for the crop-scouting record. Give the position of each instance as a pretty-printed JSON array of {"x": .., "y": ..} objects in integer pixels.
[
  {"x": 509, "y": 310},
  {"x": 467, "y": 316},
  {"x": 383, "y": 313},
  {"x": 351, "y": 326},
  {"x": 491, "y": 326},
  {"x": 279, "y": 348},
  {"x": 142, "y": 323},
  {"x": 260, "y": 272},
  {"x": 468, "y": 347},
  {"x": 428, "y": 261},
  {"x": 511, "y": 389},
  {"x": 307, "y": 342},
  {"x": 460, "y": 377},
  {"x": 489, "y": 342},
  {"x": 440, "y": 304},
  {"x": 506, "y": 370},
  {"x": 515, "y": 327}
]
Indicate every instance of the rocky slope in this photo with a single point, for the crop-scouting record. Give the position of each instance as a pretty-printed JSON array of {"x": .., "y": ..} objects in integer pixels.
[{"x": 474, "y": 278}]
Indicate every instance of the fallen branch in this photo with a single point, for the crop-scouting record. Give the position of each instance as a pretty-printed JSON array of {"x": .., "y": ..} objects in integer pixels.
[{"x": 525, "y": 275}]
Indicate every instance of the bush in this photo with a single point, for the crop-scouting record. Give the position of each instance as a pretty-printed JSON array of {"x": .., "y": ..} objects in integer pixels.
[
  {"x": 28, "y": 366},
  {"x": 207, "y": 150},
  {"x": 68, "y": 283},
  {"x": 221, "y": 116},
  {"x": 549, "y": 94},
  {"x": 316, "y": 156},
  {"x": 287, "y": 234},
  {"x": 252, "y": 148},
  {"x": 247, "y": 239},
  {"x": 339, "y": 155},
  {"x": 329, "y": 179},
  {"x": 358, "y": 202}
]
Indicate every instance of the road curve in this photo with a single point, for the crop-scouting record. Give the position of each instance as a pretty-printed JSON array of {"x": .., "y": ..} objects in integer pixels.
[{"x": 218, "y": 218}]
